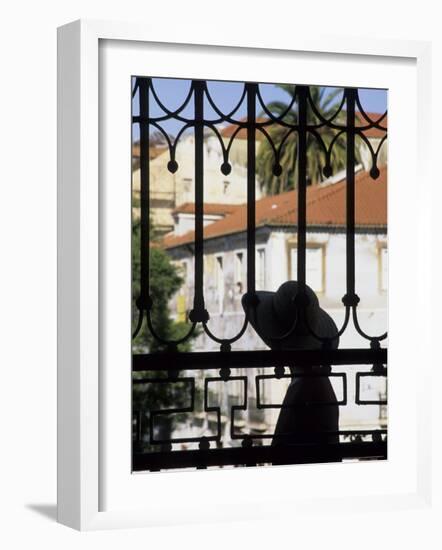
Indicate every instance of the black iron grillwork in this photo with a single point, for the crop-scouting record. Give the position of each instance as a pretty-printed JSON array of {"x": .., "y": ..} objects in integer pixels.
[{"x": 362, "y": 443}]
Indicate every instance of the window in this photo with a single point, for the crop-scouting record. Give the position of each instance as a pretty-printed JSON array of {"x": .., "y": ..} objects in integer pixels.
[
  {"x": 383, "y": 268},
  {"x": 219, "y": 282},
  {"x": 314, "y": 269},
  {"x": 260, "y": 269},
  {"x": 181, "y": 308},
  {"x": 181, "y": 301},
  {"x": 238, "y": 273}
]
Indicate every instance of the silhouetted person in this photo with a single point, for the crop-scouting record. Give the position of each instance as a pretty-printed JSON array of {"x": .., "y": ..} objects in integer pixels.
[{"x": 305, "y": 418}]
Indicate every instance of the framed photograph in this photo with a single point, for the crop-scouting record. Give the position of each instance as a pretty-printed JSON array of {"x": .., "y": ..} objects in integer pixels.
[{"x": 237, "y": 231}]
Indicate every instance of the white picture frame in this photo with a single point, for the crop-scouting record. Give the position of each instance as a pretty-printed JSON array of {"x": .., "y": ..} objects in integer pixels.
[{"x": 82, "y": 395}]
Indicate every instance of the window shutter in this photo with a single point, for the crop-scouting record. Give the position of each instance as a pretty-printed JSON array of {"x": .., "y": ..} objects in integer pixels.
[
  {"x": 314, "y": 271},
  {"x": 384, "y": 268}
]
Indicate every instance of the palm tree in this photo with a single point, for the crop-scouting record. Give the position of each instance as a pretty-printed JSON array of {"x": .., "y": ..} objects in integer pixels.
[{"x": 277, "y": 177}]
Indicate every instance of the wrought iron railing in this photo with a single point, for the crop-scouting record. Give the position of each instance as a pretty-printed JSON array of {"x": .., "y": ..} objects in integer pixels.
[{"x": 275, "y": 362}]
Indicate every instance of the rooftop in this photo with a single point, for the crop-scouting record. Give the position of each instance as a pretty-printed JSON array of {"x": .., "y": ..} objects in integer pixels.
[
  {"x": 374, "y": 132},
  {"x": 325, "y": 207},
  {"x": 210, "y": 208}
]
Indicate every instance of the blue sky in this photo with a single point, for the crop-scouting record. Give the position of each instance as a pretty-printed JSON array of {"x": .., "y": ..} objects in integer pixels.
[{"x": 172, "y": 92}]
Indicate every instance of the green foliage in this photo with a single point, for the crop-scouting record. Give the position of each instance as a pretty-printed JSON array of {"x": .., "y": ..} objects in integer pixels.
[
  {"x": 165, "y": 281},
  {"x": 147, "y": 397},
  {"x": 326, "y": 103}
]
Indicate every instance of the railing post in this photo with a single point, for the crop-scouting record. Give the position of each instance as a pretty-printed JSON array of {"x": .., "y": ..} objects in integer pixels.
[
  {"x": 351, "y": 298},
  {"x": 302, "y": 184},
  {"x": 199, "y": 312},
  {"x": 251, "y": 183},
  {"x": 143, "y": 95}
]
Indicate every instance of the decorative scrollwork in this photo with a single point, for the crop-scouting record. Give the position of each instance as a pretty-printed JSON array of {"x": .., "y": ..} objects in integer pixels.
[{"x": 303, "y": 124}]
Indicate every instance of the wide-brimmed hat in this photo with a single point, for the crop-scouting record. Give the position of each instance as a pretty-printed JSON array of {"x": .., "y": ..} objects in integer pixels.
[{"x": 278, "y": 321}]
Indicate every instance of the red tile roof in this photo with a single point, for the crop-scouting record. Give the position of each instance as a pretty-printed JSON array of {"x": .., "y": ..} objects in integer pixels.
[
  {"x": 374, "y": 117},
  {"x": 325, "y": 207},
  {"x": 374, "y": 132},
  {"x": 213, "y": 208},
  {"x": 229, "y": 130}
]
